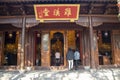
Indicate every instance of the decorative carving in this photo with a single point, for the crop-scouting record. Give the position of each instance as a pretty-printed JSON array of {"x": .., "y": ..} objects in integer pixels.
[
  {"x": 97, "y": 23},
  {"x": 86, "y": 24},
  {"x": 28, "y": 25}
]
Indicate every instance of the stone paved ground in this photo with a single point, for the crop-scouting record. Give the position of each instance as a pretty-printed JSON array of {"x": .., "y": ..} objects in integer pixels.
[{"x": 81, "y": 74}]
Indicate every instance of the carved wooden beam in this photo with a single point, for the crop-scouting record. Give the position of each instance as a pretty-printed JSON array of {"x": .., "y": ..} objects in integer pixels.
[
  {"x": 97, "y": 20},
  {"x": 83, "y": 20},
  {"x": 105, "y": 18}
]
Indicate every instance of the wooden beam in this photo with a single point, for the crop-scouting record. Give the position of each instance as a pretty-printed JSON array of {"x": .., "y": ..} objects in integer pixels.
[
  {"x": 82, "y": 19},
  {"x": 106, "y": 18},
  {"x": 97, "y": 19}
]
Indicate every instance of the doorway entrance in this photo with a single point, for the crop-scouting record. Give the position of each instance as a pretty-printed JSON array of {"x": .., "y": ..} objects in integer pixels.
[
  {"x": 37, "y": 59},
  {"x": 74, "y": 42},
  {"x": 9, "y": 56},
  {"x": 104, "y": 47},
  {"x": 57, "y": 41},
  {"x": 57, "y": 48}
]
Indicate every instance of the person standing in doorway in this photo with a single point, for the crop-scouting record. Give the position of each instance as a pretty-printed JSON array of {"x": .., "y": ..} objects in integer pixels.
[
  {"x": 57, "y": 58},
  {"x": 70, "y": 58},
  {"x": 76, "y": 58}
]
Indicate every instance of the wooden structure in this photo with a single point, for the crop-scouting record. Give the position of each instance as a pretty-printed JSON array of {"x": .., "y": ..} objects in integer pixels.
[{"x": 95, "y": 16}]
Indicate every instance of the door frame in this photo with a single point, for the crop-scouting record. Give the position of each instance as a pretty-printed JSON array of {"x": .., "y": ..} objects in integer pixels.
[{"x": 51, "y": 34}]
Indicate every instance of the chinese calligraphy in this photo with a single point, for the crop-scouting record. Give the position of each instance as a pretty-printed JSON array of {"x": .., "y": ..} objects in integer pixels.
[
  {"x": 56, "y": 12},
  {"x": 67, "y": 12},
  {"x": 46, "y": 11}
]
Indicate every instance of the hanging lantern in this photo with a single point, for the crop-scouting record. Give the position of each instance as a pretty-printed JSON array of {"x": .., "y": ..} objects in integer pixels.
[
  {"x": 10, "y": 35},
  {"x": 38, "y": 34},
  {"x": 77, "y": 34},
  {"x": 106, "y": 34}
]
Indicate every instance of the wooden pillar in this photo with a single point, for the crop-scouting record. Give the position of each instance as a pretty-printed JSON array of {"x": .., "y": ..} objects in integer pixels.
[
  {"x": 19, "y": 51},
  {"x": 86, "y": 51},
  {"x": 31, "y": 48},
  {"x": 87, "y": 48},
  {"x": 23, "y": 43},
  {"x": 91, "y": 43},
  {"x": 80, "y": 35},
  {"x": 84, "y": 47},
  {"x": 27, "y": 50},
  {"x": 65, "y": 47},
  {"x": 1, "y": 52}
]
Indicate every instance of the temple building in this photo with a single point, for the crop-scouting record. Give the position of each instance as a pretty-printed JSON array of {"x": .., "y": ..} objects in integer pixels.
[{"x": 26, "y": 41}]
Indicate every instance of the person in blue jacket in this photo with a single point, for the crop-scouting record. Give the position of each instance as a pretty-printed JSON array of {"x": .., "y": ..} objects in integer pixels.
[
  {"x": 70, "y": 58},
  {"x": 76, "y": 58}
]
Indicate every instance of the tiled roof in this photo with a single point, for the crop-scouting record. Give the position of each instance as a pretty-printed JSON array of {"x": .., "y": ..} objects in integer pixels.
[{"x": 25, "y": 7}]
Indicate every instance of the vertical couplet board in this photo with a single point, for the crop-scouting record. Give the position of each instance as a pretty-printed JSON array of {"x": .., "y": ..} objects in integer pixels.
[{"x": 45, "y": 54}]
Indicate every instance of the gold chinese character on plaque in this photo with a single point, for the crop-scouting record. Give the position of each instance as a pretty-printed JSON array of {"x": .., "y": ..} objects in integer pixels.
[
  {"x": 67, "y": 12},
  {"x": 46, "y": 11},
  {"x": 40, "y": 14},
  {"x": 56, "y": 12}
]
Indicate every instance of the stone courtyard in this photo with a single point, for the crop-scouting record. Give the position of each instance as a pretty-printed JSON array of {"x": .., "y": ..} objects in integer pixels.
[{"x": 81, "y": 74}]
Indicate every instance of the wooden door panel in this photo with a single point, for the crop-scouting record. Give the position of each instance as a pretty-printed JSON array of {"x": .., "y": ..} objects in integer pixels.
[{"x": 116, "y": 47}]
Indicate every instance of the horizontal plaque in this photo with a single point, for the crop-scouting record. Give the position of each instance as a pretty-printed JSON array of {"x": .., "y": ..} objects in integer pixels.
[{"x": 57, "y": 12}]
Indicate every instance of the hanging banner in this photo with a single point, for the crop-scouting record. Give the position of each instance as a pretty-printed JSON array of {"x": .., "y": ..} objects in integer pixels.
[{"x": 57, "y": 12}]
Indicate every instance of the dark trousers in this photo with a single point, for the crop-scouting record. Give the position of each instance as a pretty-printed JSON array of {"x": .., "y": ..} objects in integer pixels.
[
  {"x": 57, "y": 62},
  {"x": 76, "y": 64}
]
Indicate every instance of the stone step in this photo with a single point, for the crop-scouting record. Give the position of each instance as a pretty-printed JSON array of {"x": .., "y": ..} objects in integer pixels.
[{"x": 54, "y": 68}]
